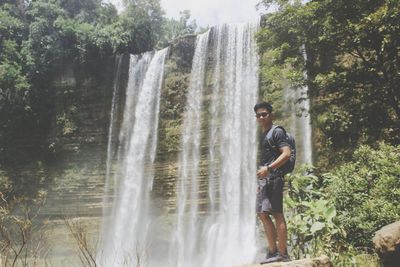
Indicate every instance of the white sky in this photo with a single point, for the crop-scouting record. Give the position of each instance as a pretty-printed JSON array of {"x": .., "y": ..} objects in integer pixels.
[
  {"x": 213, "y": 12},
  {"x": 208, "y": 12}
]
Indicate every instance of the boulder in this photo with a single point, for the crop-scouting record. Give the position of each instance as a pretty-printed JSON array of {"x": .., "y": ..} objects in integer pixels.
[
  {"x": 322, "y": 261},
  {"x": 387, "y": 243}
]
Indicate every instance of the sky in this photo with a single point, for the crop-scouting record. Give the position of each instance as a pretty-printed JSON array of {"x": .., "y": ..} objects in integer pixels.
[
  {"x": 209, "y": 12},
  {"x": 213, "y": 12}
]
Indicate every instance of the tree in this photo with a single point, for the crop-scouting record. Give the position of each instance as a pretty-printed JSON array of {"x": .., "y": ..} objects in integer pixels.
[
  {"x": 352, "y": 66},
  {"x": 141, "y": 26},
  {"x": 362, "y": 72},
  {"x": 14, "y": 83},
  {"x": 173, "y": 28}
]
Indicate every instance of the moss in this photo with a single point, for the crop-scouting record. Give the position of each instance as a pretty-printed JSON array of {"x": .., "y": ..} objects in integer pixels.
[
  {"x": 173, "y": 95},
  {"x": 172, "y": 135}
]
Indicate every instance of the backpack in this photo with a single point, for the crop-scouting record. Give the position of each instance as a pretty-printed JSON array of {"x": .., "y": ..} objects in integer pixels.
[{"x": 289, "y": 164}]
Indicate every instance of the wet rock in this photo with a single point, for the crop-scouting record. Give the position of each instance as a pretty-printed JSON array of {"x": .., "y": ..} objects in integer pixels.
[
  {"x": 387, "y": 244},
  {"x": 322, "y": 261}
]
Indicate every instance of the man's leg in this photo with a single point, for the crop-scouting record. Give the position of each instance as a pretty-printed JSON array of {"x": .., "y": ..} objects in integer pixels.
[
  {"x": 281, "y": 231},
  {"x": 270, "y": 231},
  {"x": 280, "y": 223}
]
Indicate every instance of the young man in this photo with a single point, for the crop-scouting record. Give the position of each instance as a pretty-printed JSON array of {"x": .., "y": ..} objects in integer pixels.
[{"x": 270, "y": 185}]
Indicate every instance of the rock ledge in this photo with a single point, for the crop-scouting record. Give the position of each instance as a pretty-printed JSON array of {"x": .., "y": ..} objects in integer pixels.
[{"x": 322, "y": 261}]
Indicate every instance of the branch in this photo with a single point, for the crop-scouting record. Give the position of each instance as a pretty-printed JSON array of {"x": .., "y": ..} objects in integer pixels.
[
  {"x": 360, "y": 55},
  {"x": 22, "y": 231},
  {"x": 85, "y": 254}
]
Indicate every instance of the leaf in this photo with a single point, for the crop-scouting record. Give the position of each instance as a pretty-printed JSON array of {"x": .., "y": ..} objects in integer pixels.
[
  {"x": 330, "y": 213},
  {"x": 317, "y": 226}
]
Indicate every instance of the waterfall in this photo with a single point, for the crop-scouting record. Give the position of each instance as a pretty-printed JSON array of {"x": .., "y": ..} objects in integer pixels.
[
  {"x": 223, "y": 235},
  {"x": 230, "y": 230},
  {"x": 111, "y": 144},
  {"x": 303, "y": 125},
  {"x": 305, "y": 120},
  {"x": 125, "y": 237},
  {"x": 111, "y": 133},
  {"x": 297, "y": 107},
  {"x": 188, "y": 184}
]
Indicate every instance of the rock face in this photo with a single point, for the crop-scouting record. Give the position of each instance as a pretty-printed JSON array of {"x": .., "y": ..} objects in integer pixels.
[
  {"x": 387, "y": 244},
  {"x": 322, "y": 261}
]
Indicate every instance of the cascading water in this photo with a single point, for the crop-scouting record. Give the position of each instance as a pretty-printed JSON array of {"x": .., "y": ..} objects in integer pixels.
[
  {"x": 215, "y": 221},
  {"x": 231, "y": 231},
  {"x": 297, "y": 109},
  {"x": 125, "y": 234},
  {"x": 225, "y": 234},
  {"x": 188, "y": 184},
  {"x": 231, "y": 234},
  {"x": 305, "y": 120},
  {"x": 303, "y": 126},
  {"x": 111, "y": 133}
]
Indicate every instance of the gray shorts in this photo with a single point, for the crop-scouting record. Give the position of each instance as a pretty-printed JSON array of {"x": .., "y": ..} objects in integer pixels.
[{"x": 270, "y": 195}]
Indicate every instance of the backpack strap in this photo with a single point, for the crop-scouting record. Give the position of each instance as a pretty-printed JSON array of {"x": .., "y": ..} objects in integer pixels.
[{"x": 270, "y": 137}]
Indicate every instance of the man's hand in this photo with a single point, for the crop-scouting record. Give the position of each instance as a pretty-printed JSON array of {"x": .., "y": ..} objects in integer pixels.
[{"x": 262, "y": 172}]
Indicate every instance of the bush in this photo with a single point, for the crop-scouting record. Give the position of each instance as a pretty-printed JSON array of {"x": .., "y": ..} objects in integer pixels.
[
  {"x": 22, "y": 239},
  {"x": 366, "y": 192},
  {"x": 313, "y": 225},
  {"x": 337, "y": 213}
]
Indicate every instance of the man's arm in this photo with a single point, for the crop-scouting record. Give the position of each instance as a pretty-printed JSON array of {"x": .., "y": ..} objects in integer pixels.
[{"x": 280, "y": 161}]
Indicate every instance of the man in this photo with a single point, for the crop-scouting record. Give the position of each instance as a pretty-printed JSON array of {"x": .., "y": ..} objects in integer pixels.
[{"x": 270, "y": 185}]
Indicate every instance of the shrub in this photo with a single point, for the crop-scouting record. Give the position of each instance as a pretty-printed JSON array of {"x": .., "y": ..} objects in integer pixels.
[
  {"x": 366, "y": 192},
  {"x": 313, "y": 225}
]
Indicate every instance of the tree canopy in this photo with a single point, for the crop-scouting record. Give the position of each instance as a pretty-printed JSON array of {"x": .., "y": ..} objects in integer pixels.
[{"x": 352, "y": 66}]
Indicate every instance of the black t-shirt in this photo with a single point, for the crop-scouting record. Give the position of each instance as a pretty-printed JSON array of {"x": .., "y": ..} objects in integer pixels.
[{"x": 269, "y": 154}]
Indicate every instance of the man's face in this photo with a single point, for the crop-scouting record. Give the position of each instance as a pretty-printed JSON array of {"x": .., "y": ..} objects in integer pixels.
[{"x": 263, "y": 116}]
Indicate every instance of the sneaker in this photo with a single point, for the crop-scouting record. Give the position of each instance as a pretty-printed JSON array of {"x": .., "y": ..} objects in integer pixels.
[
  {"x": 269, "y": 256},
  {"x": 276, "y": 257},
  {"x": 285, "y": 258}
]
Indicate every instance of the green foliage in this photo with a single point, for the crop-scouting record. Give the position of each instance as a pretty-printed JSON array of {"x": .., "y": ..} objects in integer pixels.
[
  {"x": 141, "y": 22},
  {"x": 366, "y": 192},
  {"x": 281, "y": 57},
  {"x": 175, "y": 95},
  {"x": 337, "y": 213},
  {"x": 171, "y": 138},
  {"x": 271, "y": 80},
  {"x": 10, "y": 22},
  {"x": 39, "y": 38},
  {"x": 313, "y": 224},
  {"x": 66, "y": 122},
  {"x": 69, "y": 31},
  {"x": 12, "y": 79},
  {"x": 14, "y": 82},
  {"x": 171, "y": 110},
  {"x": 42, "y": 47}
]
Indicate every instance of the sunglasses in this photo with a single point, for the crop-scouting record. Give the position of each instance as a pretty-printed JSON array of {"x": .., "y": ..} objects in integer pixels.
[{"x": 262, "y": 114}]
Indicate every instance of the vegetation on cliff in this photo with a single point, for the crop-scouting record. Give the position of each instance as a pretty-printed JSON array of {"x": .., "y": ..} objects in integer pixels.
[{"x": 41, "y": 37}]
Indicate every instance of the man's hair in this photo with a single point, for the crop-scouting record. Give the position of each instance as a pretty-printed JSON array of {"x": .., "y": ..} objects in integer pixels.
[{"x": 265, "y": 105}]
